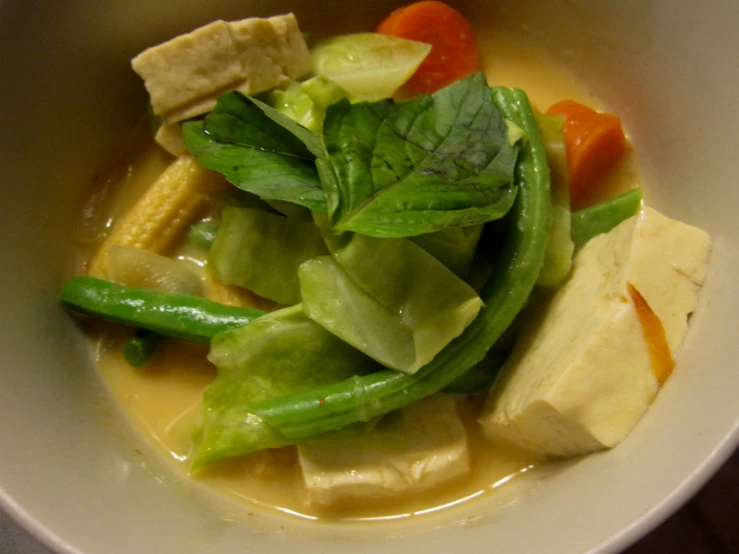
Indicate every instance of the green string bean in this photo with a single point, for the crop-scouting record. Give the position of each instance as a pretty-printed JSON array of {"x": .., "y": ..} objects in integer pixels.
[
  {"x": 174, "y": 315},
  {"x": 601, "y": 218},
  {"x": 139, "y": 348}
]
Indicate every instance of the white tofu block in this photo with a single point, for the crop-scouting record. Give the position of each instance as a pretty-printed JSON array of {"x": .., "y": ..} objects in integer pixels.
[
  {"x": 581, "y": 376},
  {"x": 436, "y": 451},
  {"x": 185, "y": 75},
  {"x": 169, "y": 136}
]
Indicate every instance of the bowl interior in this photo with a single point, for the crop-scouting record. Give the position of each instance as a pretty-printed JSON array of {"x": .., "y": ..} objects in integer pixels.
[{"x": 68, "y": 459}]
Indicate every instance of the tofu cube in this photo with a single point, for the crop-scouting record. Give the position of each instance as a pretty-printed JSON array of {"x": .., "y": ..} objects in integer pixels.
[
  {"x": 435, "y": 450},
  {"x": 581, "y": 376},
  {"x": 185, "y": 75}
]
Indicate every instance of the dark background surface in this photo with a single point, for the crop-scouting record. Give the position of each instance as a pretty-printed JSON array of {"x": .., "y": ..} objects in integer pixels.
[{"x": 708, "y": 524}]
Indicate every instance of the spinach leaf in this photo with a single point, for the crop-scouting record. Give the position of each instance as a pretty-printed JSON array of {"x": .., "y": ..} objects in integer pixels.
[
  {"x": 259, "y": 150},
  {"x": 396, "y": 170}
]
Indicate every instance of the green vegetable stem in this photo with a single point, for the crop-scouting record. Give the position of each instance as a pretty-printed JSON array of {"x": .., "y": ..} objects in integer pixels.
[
  {"x": 560, "y": 247},
  {"x": 334, "y": 406},
  {"x": 174, "y": 315},
  {"x": 601, "y": 218}
]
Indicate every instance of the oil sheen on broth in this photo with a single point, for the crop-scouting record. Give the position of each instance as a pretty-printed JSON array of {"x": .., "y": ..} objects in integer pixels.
[{"x": 163, "y": 398}]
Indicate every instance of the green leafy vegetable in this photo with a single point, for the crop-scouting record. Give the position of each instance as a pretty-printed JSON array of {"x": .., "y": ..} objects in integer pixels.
[
  {"x": 306, "y": 102},
  {"x": 323, "y": 91},
  {"x": 202, "y": 233},
  {"x": 453, "y": 246},
  {"x": 261, "y": 251},
  {"x": 369, "y": 66},
  {"x": 396, "y": 170},
  {"x": 296, "y": 105},
  {"x": 386, "y": 169},
  {"x": 558, "y": 258},
  {"x": 280, "y": 353},
  {"x": 388, "y": 298},
  {"x": 259, "y": 150},
  {"x": 359, "y": 399}
]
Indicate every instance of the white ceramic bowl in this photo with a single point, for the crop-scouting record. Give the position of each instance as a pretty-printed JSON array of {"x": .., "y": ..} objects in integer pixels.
[{"x": 69, "y": 472}]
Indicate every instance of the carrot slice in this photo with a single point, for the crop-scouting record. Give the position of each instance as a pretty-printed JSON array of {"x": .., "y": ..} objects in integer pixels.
[
  {"x": 654, "y": 335},
  {"x": 595, "y": 142},
  {"x": 454, "y": 53}
]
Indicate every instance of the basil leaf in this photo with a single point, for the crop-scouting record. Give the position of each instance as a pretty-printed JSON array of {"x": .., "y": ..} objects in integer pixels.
[
  {"x": 249, "y": 122},
  {"x": 396, "y": 170},
  {"x": 259, "y": 150}
]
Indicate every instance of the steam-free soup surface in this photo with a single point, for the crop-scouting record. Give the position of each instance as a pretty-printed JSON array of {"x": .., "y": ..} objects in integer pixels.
[{"x": 162, "y": 399}]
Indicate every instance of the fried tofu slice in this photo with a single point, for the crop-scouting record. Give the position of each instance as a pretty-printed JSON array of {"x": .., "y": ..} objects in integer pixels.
[
  {"x": 185, "y": 75},
  {"x": 435, "y": 451}
]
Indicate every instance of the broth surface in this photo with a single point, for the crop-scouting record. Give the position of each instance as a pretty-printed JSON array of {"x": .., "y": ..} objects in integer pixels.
[{"x": 162, "y": 399}]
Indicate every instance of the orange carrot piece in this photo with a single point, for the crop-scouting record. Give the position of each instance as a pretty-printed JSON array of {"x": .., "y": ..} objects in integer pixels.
[
  {"x": 454, "y": 53},
  {"x": 595, "y": 142},
  {"x": 654, "y": 335}
]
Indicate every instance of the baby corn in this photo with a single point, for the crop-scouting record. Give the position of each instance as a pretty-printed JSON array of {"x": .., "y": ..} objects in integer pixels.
[{"x": 163, "y": 213}]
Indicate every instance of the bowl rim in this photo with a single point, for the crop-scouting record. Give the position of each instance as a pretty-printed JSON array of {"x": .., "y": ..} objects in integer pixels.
[{"x": 687, "y": 483}]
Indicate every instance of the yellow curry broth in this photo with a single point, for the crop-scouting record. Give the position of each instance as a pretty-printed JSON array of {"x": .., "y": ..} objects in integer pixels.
[{"x": 163, "y": 400}]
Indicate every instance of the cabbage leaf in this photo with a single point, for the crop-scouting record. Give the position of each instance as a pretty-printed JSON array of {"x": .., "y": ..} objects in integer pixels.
[
  {"x": 261, "y": 251},
  {"x": 280, "y": 353},
  {"x": 369, "y": 66},
  {"x": 388, "y": 298},
  {"x": 306, "y": 102},
  {"x": 453, "y": 246}
]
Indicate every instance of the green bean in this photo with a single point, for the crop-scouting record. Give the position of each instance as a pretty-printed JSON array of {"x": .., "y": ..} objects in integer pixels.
[
  {"x": 504, "y": 294},
  {"x": 601, "y": 218},
  {"x": 139, "y": 348},
  {"x": 479, "y": 377},
  {"x": 174, "y": 315}
]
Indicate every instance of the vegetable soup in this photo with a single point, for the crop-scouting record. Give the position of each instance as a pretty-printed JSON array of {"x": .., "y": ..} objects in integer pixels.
[{"x": 380, "y": 274}]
